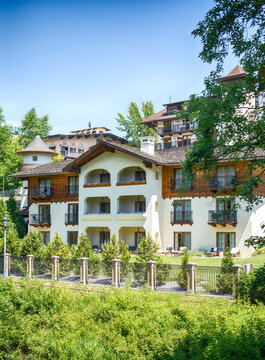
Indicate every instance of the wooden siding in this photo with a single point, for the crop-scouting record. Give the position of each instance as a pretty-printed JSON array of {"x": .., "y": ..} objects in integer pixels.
[
  {"x": 200, "y": 187},
  {"x": 59, "y": 189}
]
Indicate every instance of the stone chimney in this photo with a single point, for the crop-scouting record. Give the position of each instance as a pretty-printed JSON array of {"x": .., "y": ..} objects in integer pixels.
[{"x": 148, "y": 145}]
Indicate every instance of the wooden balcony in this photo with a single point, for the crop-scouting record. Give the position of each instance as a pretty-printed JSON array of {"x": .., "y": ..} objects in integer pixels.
[
  {"x": 222, "y": 182},
  {"x": 181, "y": 217},
  {"x": 71, "y": 219},
  {"x": 181, "y": 185},
  {"x": 175, "y": 129},
  {"x": 221, "y": 218},
  {"x": 40, "y": 220},
  {"x": 40, "y": 192}
]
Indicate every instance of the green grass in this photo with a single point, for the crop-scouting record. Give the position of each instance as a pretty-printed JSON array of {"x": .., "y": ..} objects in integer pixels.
[
  {"x": 37, "y": 322},
  {"x": 257, "y": 260}
]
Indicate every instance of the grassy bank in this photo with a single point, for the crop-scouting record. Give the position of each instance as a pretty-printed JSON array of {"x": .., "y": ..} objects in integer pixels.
[{"x": 37, "y": 322}]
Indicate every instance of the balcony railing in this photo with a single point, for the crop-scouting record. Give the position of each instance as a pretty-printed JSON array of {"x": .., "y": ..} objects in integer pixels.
[
  {"x": 179, "y": 184},
  {"x": 181, "y": 217},
  {"x": 71, "y": 219},
  {"x": 175, "y": 144},
  {"x": 40, "y": 192},
  {"x": 220, "y": 217},
  {"x": 37, "y": 219},
  {"x": 72, "y": 190},
  {"x": 173, "y": 129},
  {"x": 221, "y": 182}
]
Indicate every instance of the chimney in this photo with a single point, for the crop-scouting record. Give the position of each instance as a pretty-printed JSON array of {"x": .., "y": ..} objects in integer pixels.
[{"x": 148, "y": 145}]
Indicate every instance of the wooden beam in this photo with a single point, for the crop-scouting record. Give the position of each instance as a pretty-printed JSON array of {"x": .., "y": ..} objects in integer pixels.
[{"x": 147, "y": 164}]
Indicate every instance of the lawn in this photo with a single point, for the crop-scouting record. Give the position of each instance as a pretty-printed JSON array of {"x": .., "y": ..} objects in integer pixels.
[
  {"x": 257, "y": 260},
  {"x": 38, "y": 322}
]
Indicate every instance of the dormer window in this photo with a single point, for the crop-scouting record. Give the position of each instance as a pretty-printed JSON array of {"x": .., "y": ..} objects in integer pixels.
[{"x": 34, "y": 158}]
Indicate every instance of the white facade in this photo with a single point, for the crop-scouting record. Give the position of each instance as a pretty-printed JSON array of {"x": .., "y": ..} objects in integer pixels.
[{"x": 124, "y": 221}]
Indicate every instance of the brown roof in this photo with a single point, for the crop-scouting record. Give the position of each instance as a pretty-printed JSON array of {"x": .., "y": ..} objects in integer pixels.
[
  {"x": 236, "y": 73},
  {"x": 52, "y": 168},
  {"x": 37, "y": 145}
]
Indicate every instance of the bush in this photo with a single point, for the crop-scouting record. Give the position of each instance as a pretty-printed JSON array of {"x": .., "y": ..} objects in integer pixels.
[
  {"x": 58, "y": 248},
  {"x": 110, "y": 249},
  {"x": 147, "y": 250},
  {"x": 38, "y": 322},
  {"x": 83, "y": 248},
  {"x": 16, "y": 217},
  {"x": 31, "y": 244},
  {"x": 224, "y": 281},
  {"x": 183, "y": 275},
  {"x": 251, "y": 286}
]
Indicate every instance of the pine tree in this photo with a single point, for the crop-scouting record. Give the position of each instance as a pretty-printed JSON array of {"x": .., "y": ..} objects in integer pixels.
[
  {"x": 57, "y": 247},
  {"x": 31, "y": 243},
  {"x": 83, "y": 248},
  {"x": 110, "y": 249},
  {"x": 16, "y": 217},
  {"x": 147, "y": 249},
  {"x": 32, "y": 125}
]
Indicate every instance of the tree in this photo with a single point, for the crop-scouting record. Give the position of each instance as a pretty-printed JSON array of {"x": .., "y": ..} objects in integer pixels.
[
  {"x": 57, "y": 247},
  {"x": 32, "y": 125},
  {"x": 12, "y": 240},
  {"x": 9, "y": 160},
  {"x": 110, "y": 249},
  {"x": 16, "y": 217},
  {"x": 183, "y": 275},
  {"x": 225, "y": 279},
  {"x": 31, "y": 244},
  {"x": 147, "y": 249},
  {"x": 131, "y": 123},
  {"x": 83, "y": 248},
  {"x": 227, "y": 129}
]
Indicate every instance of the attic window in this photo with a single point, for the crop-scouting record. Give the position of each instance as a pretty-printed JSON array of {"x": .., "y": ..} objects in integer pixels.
[{"x": 34, "y": 158}]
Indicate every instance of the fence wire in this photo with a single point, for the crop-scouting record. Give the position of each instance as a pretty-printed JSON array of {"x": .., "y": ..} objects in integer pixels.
[
  {"x": 69, "y": 270},
  {"x": 42, "y": 268},
  {"x": 133, "y": 273},
  {"x": 99, "y": 272},
  {"x": 18, "y": 266},
  {"x": 214, "y": 280},
  {"x": 168, "y": 277}
]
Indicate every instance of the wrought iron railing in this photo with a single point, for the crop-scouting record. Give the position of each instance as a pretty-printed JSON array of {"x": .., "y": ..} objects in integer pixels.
[
  {"x": 181, "y": 217},
  {"x": 71, "y": 219},
  {"x": 220, "y": 182},
  {"x": 181, "y": 184},
  {"x": 38, "y": 219},
  {"x": 40, "y": 191},
  {"x": 220, "y": 217},
  {"x": 175, "y": 129}
]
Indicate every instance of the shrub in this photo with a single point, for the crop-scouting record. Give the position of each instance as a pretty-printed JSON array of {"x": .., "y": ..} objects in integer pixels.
[
  {"x": 124, "y": 252},
  {"x": 83, "y": 248},
  {"x": 183, "y": 275},
  {"x": 16, "y": 217},
  {"x": 57, "y": 247},
  {"x": 31, "y": 243},
  {"x": 224, "y": 281},
  {"x": 110, "y": 249},
  {"x": 13, "y": 243},
  {"x": 252, "y": 286},
  {"x": 147, "y": 250}
]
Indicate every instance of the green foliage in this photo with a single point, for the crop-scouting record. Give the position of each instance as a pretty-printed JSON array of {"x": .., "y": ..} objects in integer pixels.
[
  {"x": 258, "y": 242},
  {"x": 16, "y": 217},
  {"x": 224, "y": 281},
  {"x": 148, "y": 249},
  {"x": 31, "y": 244},
  {"x": 83, "y": 248},
  {"x": 251, "y": 287},
  {"x": 131, "y": 123},
  {"x": 59, "y": 157},
  {"x": 110, "y": 249},
  {"x": 124, "y": 252},
  {"x": 9, "y": 160},
  {"x": 183, "y": 275},
  {"x": 33, "y": 125},
  {"x": 12, "y": 240},
  {"x": 57, "y": 247},
  {"x": 38, "y": 322},
  {"x": 225, "y": 129}
]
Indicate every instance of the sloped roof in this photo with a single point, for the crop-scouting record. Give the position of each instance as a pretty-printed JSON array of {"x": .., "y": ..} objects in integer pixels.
[
  {"x": 37, "y": 145},
  {"x": 236, "y": 73},
  {"x": 52, "y": 168}
]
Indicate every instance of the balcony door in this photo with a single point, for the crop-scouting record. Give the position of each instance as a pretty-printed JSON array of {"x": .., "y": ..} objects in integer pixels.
[
  {"x": 44, "y": 213},
  {"x": 104, "y": 236},
  {"x": 225, "y": 175},
  {"x": 182, "y": 211},
  {"x": 138, "y": 238},
  {"x": 226, "y": 240},
  {"x": 225, "y": 209},
  {"x": 73, "y": 185},
  {"x": 72, "y": 213},
  {"x": 45, "y": 187},
  {"x": 182, "y": 239}
]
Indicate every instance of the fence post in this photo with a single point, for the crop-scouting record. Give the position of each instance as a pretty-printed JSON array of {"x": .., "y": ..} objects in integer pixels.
[
  {"x": 116, "y": 276},
  {"x": 30, "y": 264},
  {"x": 83, "y": 270},
  {"x": 7, "y": 265},
  {"x": 191, "y": 280},
  {"x": 151, "y": 274},
  {"x": 55, "y": 268},
  {"x": 236, "y": 273},
  {"x": 248, "y": 268}
]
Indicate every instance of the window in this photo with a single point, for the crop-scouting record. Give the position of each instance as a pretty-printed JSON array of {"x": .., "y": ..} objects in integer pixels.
[
  {"x": 157, "y": 175},
  {"x": 52, "y": 148},
  {"x": 104, "y": 178},
  {"x": 104, "y": 207},
  {"x": 73, "y": 185},
  {"x": 73, "y": 150},
  {"x": 182, "y": 211},
  {"x": 225, "y": 175},
  {"x": 72, "y": 237},
  {"x": 44, "y": 214},
  {"x": 45, "y": 237},
  {"x": 104, "y": 236},
  {"x": 182, "y": 239},
  {"x": 139, "y": 206},
  {"x": 225, "y": 240},
  {"x": 179, "y": 180},
  {"x": 80, "y": 151},
  {"x": 224, "y": 208},
  {"x": 72, "y": 213},
  {"x": 34, "y": 158},
  {"x": 45, "y": 187},
  {"x": 138, "y": 238},
  {"x": 140, "y": 175}
]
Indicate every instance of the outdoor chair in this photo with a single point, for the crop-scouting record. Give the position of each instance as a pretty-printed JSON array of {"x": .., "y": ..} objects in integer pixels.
[
  {"x": 132, "y": 249},
  {"x": 214, "y": 252},
  {"x": 235, "y": 251},
  {"x": 96, "y": 249}
]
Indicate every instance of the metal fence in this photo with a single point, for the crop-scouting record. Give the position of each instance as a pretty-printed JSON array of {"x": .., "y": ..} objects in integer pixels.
[
  {"x": 168, "y": 277},
  {"x": 133, "y": 273},
  {"x": 18, "y": 266},
  {"x": 213, "y": 280}
]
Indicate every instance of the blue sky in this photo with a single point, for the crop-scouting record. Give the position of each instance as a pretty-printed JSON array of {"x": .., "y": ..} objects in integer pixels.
[{"x": 81, "y": 61}]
